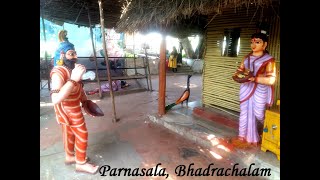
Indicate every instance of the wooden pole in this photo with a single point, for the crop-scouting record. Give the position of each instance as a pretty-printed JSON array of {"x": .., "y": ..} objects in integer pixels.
[
  {"x": 79, "y": 14},
  {"x": 114, "y": 119},
  {"x": 148, "y": 67},
  {"x": 94, "y": 54},
  {"x": 145, "y": 67},
  {"x": 45, "y": 51},
  {"x": 135, "y": 65},
  {"x": 162, "y": 77},
  {"x": 134, "y": 56}
]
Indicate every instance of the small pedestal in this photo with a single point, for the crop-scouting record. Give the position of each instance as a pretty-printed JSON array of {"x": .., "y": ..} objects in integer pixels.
[{"x": 271, "y": 132}]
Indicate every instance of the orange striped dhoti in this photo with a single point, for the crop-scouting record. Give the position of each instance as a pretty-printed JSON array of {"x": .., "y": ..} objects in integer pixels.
[{"x": 70, "y": 117}]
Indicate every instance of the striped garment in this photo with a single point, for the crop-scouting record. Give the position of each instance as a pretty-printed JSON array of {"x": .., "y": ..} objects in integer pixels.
[
  {"x": 253, "y": 98},
  {"x": 69, "y": 115}
]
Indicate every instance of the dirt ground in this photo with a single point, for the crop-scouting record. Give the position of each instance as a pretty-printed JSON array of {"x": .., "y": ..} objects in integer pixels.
[{"x": 133, "y": 142}]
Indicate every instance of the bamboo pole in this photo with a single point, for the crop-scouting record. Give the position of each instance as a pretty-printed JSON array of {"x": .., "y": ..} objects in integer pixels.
[
  {"x": 79, "y": 14},
  {"x": 148, "y": 67},
  {"x": 145, "y": 71},
  {"x": 114, "y": 119},
  {"x": 45, "y": 50},
  {"x": 162, "y": 77},
  {"x": 134, "y": 56},
  {"x": 94, "y": 54},
  {"x": 135, "y": 64}
]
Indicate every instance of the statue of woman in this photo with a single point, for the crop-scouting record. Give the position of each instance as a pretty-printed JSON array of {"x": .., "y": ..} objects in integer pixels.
[{"x": 258, "y": 92}]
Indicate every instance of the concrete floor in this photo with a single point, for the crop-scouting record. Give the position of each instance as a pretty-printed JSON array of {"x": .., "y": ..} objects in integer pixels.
[{"x": 134, "y": 141}]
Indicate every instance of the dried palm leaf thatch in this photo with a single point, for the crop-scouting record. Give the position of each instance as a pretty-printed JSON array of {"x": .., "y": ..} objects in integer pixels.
[
  {"x": 167, "y": 15},
  {"x": 76, "y": 11},
  {"x": 179, "y": 17}
]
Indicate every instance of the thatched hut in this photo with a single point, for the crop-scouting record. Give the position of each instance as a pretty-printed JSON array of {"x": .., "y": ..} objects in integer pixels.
[{"x": 216, "y": 20}]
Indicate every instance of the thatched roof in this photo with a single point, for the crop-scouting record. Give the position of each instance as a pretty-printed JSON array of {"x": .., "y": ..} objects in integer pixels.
[
  {"x": 177, "y": 17},
  {"x": 75, "y": 11},
  {"x": 145, "y": 15}
]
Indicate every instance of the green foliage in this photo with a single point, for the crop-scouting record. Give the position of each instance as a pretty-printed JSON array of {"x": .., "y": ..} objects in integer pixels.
[{"x": 127, "y": 54}]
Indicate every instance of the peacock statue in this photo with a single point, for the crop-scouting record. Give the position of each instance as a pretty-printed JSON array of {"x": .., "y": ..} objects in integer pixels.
[
  {"x": 62, "y": 35},
  {"x": 184, "y": 97}
]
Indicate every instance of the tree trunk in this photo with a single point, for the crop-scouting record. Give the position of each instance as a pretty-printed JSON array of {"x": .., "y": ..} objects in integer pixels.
[
  {"x": 187, "y": 47},
  {"x": 200, "y": 48}
]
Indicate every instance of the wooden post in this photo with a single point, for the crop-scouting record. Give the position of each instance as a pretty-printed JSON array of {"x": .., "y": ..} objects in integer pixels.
[
  {"x": 162, "y": 77},
  {"x": 148, "y": 67},
  {"x": 45, "y": 51},
  {"x": 94, "y": 53},
  {"x": 135, "y": 65},
  {"x": 134, "y": 57},
  {"x": 114, "y": 119},
  {"x": 145, "y": 70}
]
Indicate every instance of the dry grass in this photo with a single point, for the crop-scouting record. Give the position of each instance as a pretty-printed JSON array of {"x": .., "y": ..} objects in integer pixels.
[
  {"x": 145, "y": 15},
  {"x": 177, "y": 17}
]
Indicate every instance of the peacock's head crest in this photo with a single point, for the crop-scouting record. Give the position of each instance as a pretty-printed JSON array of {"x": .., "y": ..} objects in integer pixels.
[{"x": 63, "y": 35}]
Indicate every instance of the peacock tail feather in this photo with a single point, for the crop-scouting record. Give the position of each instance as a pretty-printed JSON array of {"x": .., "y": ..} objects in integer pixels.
[
  {"x": 184, "y": 96},
  {"x": 168, "y": 107}
]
